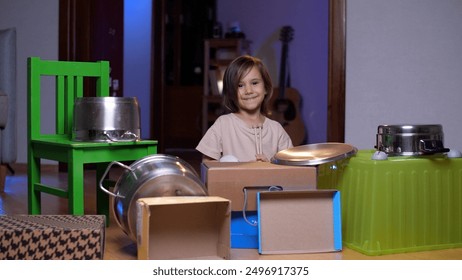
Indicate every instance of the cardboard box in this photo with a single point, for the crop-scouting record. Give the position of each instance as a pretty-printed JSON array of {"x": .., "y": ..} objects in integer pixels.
[
  {"x": 292, "y": 222},
  {"x": 228, "y": 180},
  {"x": 194, "y": 227},
  {"x": 52, "y": 237}
]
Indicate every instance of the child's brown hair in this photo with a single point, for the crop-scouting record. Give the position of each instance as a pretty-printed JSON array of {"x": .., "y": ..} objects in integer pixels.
[{"x": 235, "y": 72}]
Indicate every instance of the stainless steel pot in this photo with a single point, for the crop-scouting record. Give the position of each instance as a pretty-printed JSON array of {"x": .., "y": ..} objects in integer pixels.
[
  {"x": 407, "y": 140},
  {"x": 106, "y": 119},
  {"x": 152, "y": 176}
]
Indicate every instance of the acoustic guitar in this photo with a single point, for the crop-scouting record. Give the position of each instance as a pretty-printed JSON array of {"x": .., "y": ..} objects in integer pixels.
[{"x": 284, "y": 105}]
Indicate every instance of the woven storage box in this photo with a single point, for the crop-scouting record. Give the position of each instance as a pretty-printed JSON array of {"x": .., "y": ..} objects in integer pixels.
[{"x": 52, "y": 237}]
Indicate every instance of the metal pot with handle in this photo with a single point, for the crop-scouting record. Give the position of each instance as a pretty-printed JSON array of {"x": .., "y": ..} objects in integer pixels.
[
  {"x": 410, "y": 140},
  {"x": 106, "y": 119},
  {"x": 152, "y": 176}
]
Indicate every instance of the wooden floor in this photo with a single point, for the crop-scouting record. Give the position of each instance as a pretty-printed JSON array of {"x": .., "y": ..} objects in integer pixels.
[{"x": 119, "y": 247}]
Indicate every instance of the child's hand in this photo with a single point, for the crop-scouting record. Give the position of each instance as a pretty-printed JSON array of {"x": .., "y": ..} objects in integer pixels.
[{"x": 261, "y": 157}]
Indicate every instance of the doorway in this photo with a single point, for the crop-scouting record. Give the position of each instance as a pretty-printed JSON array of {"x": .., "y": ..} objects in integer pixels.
[{"x": 91, "y": 31}]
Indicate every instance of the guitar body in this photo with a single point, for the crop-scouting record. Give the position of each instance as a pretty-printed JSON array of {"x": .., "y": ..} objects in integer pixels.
[
  {"x": 284, "y": 105},
  {"x": 286, "y": 111}
]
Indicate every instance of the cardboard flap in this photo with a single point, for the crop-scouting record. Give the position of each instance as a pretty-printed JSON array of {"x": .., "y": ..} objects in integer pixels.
[{"x": 299, "y": 221}]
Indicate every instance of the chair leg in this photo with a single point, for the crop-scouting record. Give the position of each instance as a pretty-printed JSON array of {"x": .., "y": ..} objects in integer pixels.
[
  {"x": 75, "y": 187},
  {"x": 102, "y": 198},
  {"x": 33, "y": 177},
  {"x": 2, "y": 177}
]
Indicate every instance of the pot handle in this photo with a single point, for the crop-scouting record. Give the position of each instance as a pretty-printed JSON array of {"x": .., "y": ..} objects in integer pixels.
[
  {"x": 132, "y": 135},
  {"x": 432, "y": 146},
  {"x": 105, "y": 174}
]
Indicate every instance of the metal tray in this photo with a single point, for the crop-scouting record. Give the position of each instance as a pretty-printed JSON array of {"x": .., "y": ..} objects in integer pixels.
[{"x": 314, "y": 154}]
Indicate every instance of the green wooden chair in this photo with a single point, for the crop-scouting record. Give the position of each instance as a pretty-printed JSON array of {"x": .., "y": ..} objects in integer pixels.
[{"x": 69, "y": 78}]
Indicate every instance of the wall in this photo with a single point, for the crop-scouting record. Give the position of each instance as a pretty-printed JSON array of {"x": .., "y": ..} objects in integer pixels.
[
  {"x": 36, "y": 24},
  {"x": 261, "y": 21},
  {"x": 404, "y": 66},
  {"x": 137, "y": 54}
]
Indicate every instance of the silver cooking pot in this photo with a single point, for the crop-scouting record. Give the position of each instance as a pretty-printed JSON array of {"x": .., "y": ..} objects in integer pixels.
[
  {"x": 410, "y": 140},
  {"x": 106, "y": 119},
  {"x": 152, "y": 176}
]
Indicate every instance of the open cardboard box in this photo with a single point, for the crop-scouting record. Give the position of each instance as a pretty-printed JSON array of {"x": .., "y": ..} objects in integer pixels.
[
  {"x": 228, "y": 180},
  {"x": 193, "y": 227},
  {"x": 291, "y": 222}
]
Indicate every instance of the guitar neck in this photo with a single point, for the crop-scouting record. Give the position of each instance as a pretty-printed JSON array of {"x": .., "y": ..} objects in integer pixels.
[{"x": 282, "y": 74}]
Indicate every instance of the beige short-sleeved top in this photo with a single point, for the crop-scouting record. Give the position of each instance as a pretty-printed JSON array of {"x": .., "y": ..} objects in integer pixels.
[{"x": 230, "y": 135}]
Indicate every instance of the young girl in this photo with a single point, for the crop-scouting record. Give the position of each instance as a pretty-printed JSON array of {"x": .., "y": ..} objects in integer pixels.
[{"x": 245, "y": 134}]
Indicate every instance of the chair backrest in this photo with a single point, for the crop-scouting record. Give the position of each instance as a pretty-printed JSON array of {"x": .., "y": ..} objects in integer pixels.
[{"x": 69, "y": 81}]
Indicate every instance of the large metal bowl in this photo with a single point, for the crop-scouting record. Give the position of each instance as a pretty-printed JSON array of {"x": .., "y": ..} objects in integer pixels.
[{"x": 152, "y": 176}]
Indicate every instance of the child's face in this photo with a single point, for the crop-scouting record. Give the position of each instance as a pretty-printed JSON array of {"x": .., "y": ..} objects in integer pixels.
[{"x": 251, "y": 91}]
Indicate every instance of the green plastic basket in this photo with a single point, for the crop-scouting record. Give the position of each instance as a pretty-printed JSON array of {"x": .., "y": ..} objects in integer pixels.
[{"x": 401, "y": 204}]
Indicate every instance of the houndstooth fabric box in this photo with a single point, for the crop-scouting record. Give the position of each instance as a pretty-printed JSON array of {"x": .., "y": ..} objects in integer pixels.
[{"x": 52, "y": 237}]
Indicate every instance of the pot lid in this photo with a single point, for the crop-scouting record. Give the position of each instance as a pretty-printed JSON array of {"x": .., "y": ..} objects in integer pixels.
[
  {"x": 314, "y": 154},
  {"x": 410, "y": 128}
]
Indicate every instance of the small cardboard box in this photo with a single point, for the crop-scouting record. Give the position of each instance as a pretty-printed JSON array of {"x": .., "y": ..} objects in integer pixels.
[
  {"x": 228, "y": 180},
  {"x": 193, "y": 227},
  {"x": 52, "y": 237},
  {"x": 292, "y": 222}
]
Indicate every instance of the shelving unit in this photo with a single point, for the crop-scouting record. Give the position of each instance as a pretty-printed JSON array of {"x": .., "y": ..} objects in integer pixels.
[{"x": 218, "y": 54}]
